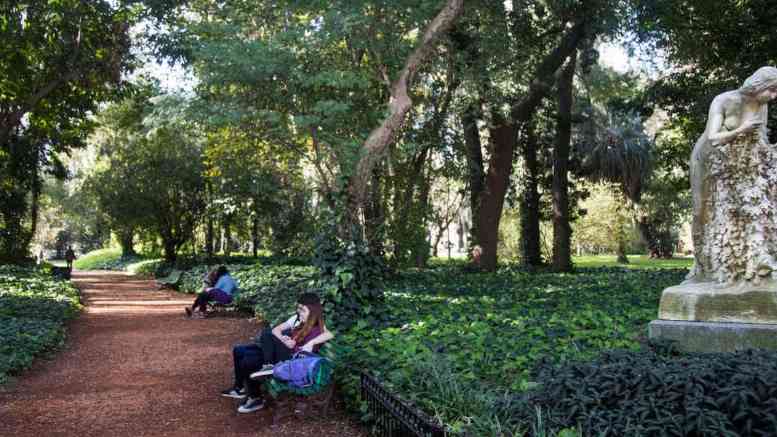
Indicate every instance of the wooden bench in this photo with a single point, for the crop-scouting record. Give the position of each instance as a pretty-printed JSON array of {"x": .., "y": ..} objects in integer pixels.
[
  {"x": 172, "y": 280},
  {"x": 286, "y": 400}
]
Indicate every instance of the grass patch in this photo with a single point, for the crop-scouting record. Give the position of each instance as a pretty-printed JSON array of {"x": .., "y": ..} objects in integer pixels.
[
  {"x": 106, "y": 259},
  {"x": 635, "y": 262},
  {"x": 33, "y": 310}
]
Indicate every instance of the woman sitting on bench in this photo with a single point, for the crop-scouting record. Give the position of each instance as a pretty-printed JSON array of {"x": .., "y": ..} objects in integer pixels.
[
  {"x": 304, "y": 331},
  {"x": 221, "y": 290}
]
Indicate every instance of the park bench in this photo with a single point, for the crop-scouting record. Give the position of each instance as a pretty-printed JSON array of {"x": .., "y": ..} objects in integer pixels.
[
  {"x": 286, "y": 400},
  {"x": 172, "y": 280}
]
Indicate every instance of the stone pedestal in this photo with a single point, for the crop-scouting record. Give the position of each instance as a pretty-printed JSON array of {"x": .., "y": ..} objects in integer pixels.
[
  {"x": 712, "y": 302},
  {"x": 710, "y": 317},
  {"x": 715, "y": 337}
]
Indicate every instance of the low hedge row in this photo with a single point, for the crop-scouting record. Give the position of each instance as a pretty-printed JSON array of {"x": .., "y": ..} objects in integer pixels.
[{"x": 33, "y": 310}]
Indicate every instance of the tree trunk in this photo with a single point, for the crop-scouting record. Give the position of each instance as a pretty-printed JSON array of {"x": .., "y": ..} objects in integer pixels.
[
  {"x": 621, "y": 252},
  {"x": 126, "y": 241},
  {"x": 227, "y": 241},
  {"x": 400, "y": 103},
  {"x": 531, "y": 250},
  {"x": 374, "y": 216},
  {"x": 621, "y": 237},
  {"x": 209, "y": 237},
  {"x": 475, "y": 168},
  {"x": 170, "y": 251},
  {"x": 492, "y": 198},
  {"x": 255, "y": 236},
  {"x": 562, "y": 231},
  {"x": 421, "y": 251}
]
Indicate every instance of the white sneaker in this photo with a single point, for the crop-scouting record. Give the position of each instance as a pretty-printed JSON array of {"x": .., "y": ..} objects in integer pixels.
[
  {"x": 264, "y": 371},
  {"x": 250, "y": 405}
]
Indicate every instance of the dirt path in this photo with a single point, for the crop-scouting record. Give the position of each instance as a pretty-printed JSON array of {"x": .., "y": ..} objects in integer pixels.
[{"x": 134, "y": 365}]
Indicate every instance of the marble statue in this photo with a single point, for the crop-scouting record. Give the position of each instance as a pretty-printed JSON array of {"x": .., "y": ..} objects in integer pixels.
[
  {"x": 734, "y": 185},
  {"x": 729, "y": 300}
]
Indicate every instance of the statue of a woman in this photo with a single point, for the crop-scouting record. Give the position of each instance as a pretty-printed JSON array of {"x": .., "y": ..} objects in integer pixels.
[{"x": 734, "y": 184}]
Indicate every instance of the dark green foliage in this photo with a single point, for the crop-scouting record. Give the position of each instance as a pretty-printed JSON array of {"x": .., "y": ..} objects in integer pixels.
[
  {"x": 58, "y": 60},
  {"x": 33, "y": 310},
  {"x": 653, "y": 394},
  {"x": 351, "y": 278},
  {"x": 492, "y": 328}
]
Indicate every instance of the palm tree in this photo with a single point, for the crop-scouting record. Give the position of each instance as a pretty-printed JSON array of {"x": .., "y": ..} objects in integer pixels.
[{"x": 614, "y": 148}]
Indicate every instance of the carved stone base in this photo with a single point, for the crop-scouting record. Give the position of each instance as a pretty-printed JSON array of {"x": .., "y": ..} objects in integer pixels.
[
  {"x": 715, "y": 337},
  {"x": 712, "y": 302}
]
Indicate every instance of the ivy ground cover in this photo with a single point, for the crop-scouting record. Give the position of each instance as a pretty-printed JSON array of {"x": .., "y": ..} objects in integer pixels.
[
  {"x": 33, "y": 310},
  {"x": 456, "y": 343}
]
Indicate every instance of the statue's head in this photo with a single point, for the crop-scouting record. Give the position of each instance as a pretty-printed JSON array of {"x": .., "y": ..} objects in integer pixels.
[{"x": 764, "y": 79}]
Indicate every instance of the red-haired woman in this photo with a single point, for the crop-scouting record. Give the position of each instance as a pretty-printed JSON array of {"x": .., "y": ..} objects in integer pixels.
[{"x": 304, "y": 331}]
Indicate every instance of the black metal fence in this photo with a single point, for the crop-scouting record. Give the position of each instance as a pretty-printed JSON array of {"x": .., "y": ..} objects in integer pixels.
[{"x": 394, "y": 418}]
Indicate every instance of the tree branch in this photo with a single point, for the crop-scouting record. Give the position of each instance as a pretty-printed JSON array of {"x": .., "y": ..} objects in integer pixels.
[{"x": 399, "y": 104}]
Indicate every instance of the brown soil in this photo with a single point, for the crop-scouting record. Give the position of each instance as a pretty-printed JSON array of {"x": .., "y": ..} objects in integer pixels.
[{"x": 134, "y": 365}]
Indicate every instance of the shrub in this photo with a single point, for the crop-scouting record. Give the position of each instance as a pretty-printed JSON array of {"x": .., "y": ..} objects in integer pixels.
[
  {"x": 33, "y": 310},
  {"x": 647, "y": 393}
]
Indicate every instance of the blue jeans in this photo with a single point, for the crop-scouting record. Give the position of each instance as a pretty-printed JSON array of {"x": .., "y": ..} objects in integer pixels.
[{"x": 248, "y": 358}]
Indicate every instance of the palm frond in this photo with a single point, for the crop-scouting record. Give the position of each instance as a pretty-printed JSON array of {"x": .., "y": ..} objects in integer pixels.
[{"x": 614, "y": 148}]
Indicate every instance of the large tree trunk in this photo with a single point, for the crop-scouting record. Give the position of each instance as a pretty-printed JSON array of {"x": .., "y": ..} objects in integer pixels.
[
  {"x": 492, "y": 198},
  {"x": 374, "y": 147},
  {"x": 562, "y": 231},
  {"x": 531, "y": 249}
]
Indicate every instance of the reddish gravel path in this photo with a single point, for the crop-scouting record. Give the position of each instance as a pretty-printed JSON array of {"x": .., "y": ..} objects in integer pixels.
[{"x": 134, "y": 365}]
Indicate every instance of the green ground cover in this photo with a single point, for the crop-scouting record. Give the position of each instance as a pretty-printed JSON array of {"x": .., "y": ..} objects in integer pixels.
[
  {"x": 33, "y": 310},
  {"x": 485, "y": 332}
]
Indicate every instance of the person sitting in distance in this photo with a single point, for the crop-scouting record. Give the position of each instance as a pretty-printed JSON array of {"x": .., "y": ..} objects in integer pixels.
[
  {"x": 222, "y": 290},
  {"x": 304, "y": 331}
]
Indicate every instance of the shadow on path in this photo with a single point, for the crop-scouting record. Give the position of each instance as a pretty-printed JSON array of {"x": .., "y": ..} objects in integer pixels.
[{"x": 134, "y": 365}]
